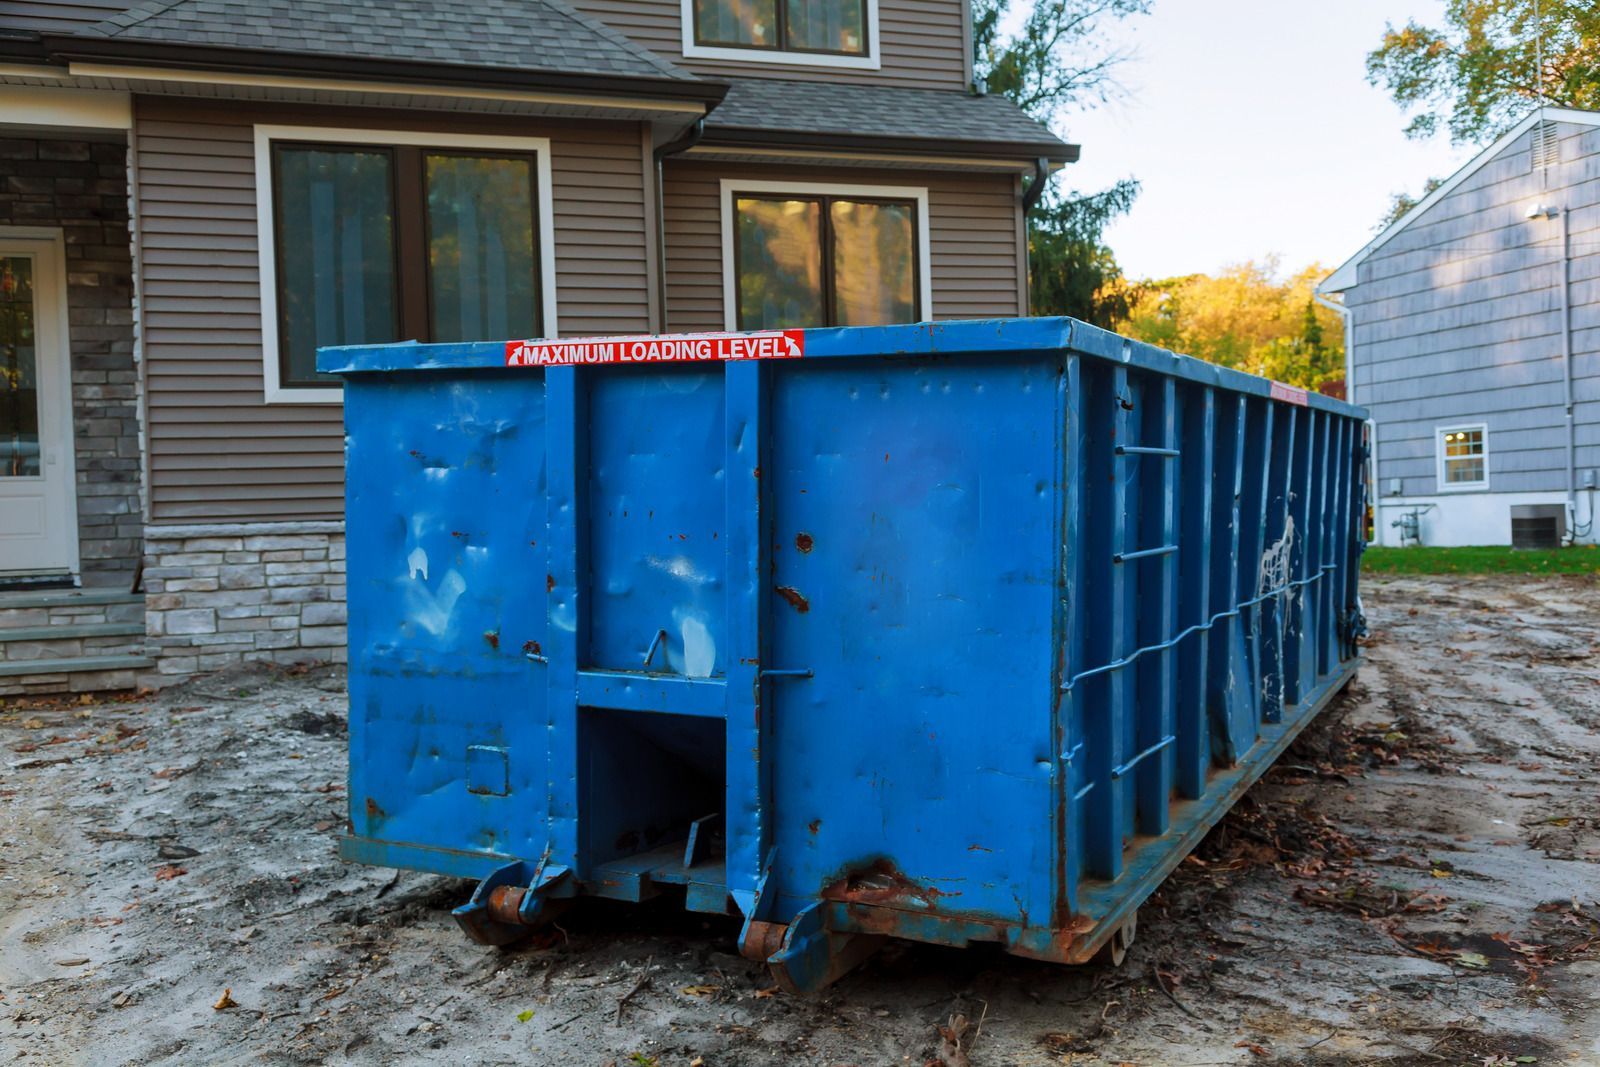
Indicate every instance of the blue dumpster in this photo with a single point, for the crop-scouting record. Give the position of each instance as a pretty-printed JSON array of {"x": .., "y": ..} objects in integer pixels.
[{"x": 955, "y": 632}]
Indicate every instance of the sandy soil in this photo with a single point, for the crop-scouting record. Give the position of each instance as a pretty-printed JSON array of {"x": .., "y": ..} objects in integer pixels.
[{"x": 1417, "y": 882}]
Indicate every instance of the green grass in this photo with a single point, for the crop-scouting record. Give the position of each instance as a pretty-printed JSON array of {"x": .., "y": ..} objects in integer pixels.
[{"x": 1480, "y": 559}]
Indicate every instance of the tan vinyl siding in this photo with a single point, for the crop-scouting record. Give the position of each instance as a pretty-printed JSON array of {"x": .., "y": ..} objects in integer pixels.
[
  {"x": 62, "y": 16},
  {"x": 217, "y": 451},
  {"x": 975, "y": 256},
  {"x": 921, "y": 43}
]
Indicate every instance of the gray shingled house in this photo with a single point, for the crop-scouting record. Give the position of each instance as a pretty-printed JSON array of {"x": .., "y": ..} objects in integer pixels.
[
  {"x": 195, "y": 194},
  {"x": 1473, "y": 326}
]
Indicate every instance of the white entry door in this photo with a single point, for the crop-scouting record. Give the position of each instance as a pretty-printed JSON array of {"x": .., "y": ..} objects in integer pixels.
[{"x": 38, "y": 510}]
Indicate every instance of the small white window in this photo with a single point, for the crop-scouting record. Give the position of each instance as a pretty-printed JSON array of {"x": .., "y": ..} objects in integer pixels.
[{"x": 1463, "y": 457}]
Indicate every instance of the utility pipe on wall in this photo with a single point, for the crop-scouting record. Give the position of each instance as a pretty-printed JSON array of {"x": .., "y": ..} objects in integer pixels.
[
  {"x": 1566, "y": 374},
  {"x": 690, "y": 138}
]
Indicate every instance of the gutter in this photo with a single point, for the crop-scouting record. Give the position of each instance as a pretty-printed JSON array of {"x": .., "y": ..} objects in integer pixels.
[
  {"x": 748, "y": 137},
  {"x": 1566, "y": 376},
  {"x": 688, "y": 140},
  {"x": 210, "y": 58}
]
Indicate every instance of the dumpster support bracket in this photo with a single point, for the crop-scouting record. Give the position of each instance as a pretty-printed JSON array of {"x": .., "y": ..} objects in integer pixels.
[
  {"x": 806, "y": 956},
  {"x": 514, "y": 899}
]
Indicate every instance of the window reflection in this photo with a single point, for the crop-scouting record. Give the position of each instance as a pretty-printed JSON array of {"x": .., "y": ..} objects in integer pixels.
[
  {"x": 873, "y": 262},
  {"x": 19, "y": 371},
  {"x": 824, "y": 262},
  {"x": 481, "y": 278},
  {"x": 836, "y": 26},
  {"x": 751, "y": 23},
  {"x": 779, "y": 257},
  {"x": 335, "y": 246}
]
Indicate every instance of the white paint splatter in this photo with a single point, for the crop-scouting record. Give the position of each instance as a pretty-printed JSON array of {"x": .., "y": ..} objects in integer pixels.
[
  {"x": 699, "y": 648},
  {"x": 418, "y": 563},
  {"x": 431, "y": 610}
]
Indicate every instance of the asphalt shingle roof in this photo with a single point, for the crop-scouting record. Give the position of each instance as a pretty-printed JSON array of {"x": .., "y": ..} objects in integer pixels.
[
  {"x": 770, "y": 106},
  {"x": 529, "y": 35}
]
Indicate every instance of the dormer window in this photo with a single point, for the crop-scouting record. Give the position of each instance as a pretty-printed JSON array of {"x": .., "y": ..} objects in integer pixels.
[{"x": 840, "y": 33}]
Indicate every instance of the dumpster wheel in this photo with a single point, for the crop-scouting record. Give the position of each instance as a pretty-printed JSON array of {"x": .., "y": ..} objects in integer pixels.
[{"x": 1115, "y": 950}]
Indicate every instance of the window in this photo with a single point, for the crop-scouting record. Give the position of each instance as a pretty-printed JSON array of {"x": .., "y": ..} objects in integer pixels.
[
  {"x": 814, "y": 255},
  {"x": 1463, "y": 457},
  {"x": 372, "y": 236},
  {"x": 837, "y": 33}
]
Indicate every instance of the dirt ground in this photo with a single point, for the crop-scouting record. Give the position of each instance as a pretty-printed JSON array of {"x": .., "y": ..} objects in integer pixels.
[{"x": 1417, "y": 882}]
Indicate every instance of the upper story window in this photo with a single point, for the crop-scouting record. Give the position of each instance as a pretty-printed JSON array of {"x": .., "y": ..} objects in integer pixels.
[
  {"x": 1463, "y": 457},
  {"x": 370, "y": 237},
  {"x": 837, "y": 33},
  {"x": 801, "y": 255}
]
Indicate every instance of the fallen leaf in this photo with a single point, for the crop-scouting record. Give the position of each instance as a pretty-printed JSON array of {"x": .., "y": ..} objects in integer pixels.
[
  {"x": 1254, "y": 1048},
  {"x": 72, "y": 961},
  {"x": 225, "y": 1001},
  {"x": 169, "y": 872},
  {"x": 1476, "y": 960},
  {"x": 701, "y": 990},
  {"x": 762, "y": 994},
  {"x": 524, "y": 1016}
]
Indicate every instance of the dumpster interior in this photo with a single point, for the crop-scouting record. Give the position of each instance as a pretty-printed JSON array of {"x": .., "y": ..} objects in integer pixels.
[{"x": 651, "y": 788}]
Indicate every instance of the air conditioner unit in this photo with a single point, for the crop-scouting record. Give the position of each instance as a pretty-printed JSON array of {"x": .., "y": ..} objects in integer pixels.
[{"x": 1538, "y": 525}]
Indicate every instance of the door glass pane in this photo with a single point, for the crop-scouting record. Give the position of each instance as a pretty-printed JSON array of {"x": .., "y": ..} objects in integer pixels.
[
  {"x": 19, "y": 371},
  {"x": 751, "y": 23},
  {"x": 874, "y": 264},
  {"x": 335, "y": 248},
  {"x": 482, "y": 282},
  {"x": 779, "y": 257},
  {"x": 827, "y": 26}
]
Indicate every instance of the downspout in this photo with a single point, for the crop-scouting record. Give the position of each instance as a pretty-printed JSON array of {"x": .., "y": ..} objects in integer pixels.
[
  {"x": 1566, "y": 376},
  {"x": 1035, "y": 189},
  {"x": 690, "y": 138},
  {"x": 1030, "y": 198}
]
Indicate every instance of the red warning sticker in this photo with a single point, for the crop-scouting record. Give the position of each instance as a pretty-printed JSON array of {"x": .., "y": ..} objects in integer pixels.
[
  {"x": 1290, "y": 393},
  {"x": 672, "y": 348}
]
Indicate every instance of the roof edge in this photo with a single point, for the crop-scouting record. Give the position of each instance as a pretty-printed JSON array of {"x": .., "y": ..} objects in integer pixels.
[
  {"x": 745, "y": 137},
  {"x": 68, "y": 48},
  {"x": 1344, "y": 276}
]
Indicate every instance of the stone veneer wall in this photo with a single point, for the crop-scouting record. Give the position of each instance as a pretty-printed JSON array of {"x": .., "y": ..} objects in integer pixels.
[
  {"x": 223, "y": 594},
  {"x": 81, "y": 187}
]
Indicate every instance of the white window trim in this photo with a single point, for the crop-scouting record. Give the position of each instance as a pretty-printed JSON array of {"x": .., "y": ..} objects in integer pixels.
[
  {"x": 275, "y": 391},
  {"x": 773, "y": 57},
  {"x": 1439, "y": 457},
  {"x": 919, "y": 194}
]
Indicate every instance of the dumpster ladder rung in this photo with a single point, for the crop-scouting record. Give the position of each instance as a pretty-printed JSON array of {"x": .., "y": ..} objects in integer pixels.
[{"x": 1142, "y": 450}]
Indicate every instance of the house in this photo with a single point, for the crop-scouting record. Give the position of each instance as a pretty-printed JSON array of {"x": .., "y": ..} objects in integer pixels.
[
  {"x": 196, "y": 194},
  {"x": 1473, "y": 324}
]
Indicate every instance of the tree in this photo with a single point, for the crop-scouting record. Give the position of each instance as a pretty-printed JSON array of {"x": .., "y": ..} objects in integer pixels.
[
  {"x": 1244, "y": 317},
  {"x": 1055, "y": 61},
  {"x": 1401, "y": 203},
  {"x": 1480, "y": 72}
]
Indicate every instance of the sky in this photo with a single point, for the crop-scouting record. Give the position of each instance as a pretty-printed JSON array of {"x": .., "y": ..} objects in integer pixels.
[{"x": 1252, "y": 127}]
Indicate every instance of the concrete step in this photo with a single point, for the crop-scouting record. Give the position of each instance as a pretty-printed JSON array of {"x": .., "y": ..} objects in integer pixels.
[
  {"x": 67, "y": 597},
  {"x": 70, "y": 664},
  {"x": 76, "y": 674},
  {"x": 88, "y": 629}
]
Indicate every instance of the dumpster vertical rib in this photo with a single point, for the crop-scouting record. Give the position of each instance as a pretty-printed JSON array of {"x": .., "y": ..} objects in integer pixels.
[
  {"x": 566, "y": 478},
  {"x": 1068, "y": 704},
  {"x": 1199, "y": 446},
  {"x": 748, "y": 759},
  {"x": 1223, "y": 672},
  {"x": 1158, "y": 579},
  {"x": 1252, "y": 544},
  {"x": 1316, "y": 551},
  {"x": 1281, "y": 534},
  {"x": 1335, "y": 543},
  {"x": 1299, "y": 560},
  {"x": 1105, "y": 700}
]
